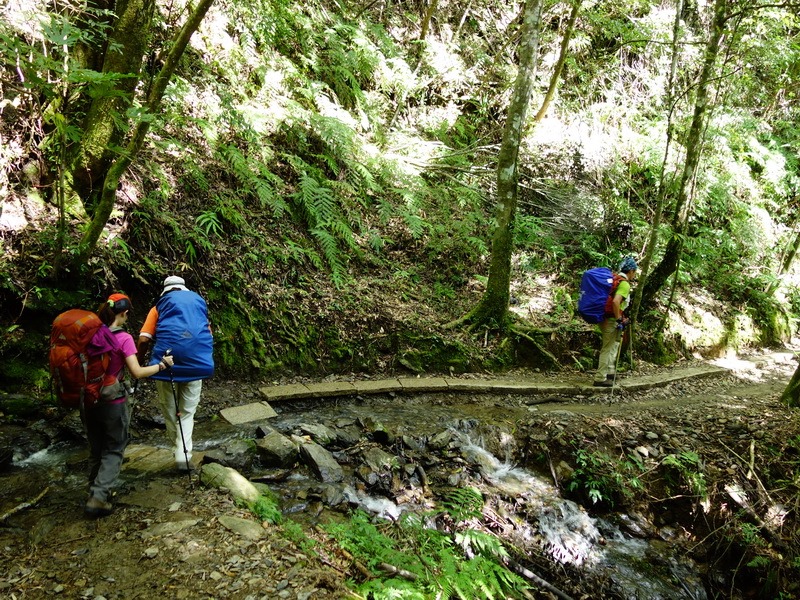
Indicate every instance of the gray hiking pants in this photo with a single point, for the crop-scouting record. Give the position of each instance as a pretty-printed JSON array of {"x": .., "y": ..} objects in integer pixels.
[{"x": 107, "y": 431}]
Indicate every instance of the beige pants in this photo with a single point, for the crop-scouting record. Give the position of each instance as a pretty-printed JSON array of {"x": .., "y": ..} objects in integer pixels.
[
  {"x": 188, "y": 399},
  {"x": 608, "y": 353}
]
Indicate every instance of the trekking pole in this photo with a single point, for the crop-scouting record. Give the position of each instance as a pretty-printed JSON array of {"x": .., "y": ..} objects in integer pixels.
[
  {"x": 616, "y": 363},
  {"x": 178, "y": 418}
]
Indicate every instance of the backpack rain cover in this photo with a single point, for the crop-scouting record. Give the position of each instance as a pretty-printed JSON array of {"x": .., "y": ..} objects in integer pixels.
[{"x": 597, "y": 285}]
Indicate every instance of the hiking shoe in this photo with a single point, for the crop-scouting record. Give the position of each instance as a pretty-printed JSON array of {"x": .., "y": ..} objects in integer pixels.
[
  {"x": 604, "y": 383},
  {"x": 95, "y": 507}
]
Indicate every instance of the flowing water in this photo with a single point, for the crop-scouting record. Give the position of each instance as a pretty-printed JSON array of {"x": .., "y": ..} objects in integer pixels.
[{"x": 640, "y": 568}]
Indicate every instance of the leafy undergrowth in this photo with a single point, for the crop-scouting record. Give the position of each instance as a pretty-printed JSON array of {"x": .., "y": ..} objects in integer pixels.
[{"x": 711, "y": 465}]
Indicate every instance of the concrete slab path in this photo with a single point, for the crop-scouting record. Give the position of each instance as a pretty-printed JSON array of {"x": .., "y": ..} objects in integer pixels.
[{"x": 500, "y": 385}]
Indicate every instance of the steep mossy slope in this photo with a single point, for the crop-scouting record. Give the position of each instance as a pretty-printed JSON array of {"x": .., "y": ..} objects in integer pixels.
[{"x": 325, "y": 179}]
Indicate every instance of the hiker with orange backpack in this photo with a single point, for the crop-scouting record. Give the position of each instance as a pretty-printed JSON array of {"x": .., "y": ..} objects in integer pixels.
[
  {"x": 107, "y": 420},
  {"x": 614, "y": 324}
]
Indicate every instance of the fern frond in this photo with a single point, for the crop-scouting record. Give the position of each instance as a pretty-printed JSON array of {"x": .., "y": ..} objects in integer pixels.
[
  {"x": 464, "y": 503},
  {"x": 333, "y": 257},
  {"x": 415, "y": 223}
]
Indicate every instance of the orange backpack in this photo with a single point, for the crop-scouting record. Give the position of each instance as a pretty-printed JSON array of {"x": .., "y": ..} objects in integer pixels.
[{"x": 79, "y": 373}]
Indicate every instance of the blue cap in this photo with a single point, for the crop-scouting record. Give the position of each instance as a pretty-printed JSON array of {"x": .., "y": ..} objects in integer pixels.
[{"x": 628, "y": 264}]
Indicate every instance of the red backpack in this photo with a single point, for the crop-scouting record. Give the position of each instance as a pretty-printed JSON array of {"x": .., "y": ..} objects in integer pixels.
[
  {"x": 78, "y": 368},
  {"x": 617, "y": 278}
]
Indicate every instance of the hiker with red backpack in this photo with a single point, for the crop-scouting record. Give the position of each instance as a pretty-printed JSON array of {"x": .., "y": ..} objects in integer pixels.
[
  {"x": 107, "y": 419},
  {"x": 614, "y": 323}
]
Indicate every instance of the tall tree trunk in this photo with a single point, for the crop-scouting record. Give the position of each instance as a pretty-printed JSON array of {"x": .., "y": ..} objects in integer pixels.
[
  {"x": 652, "y": 241},
  {"x": 680, "y": 219},
  {"x": 562, "y": 58},
  {"x": 492, "y": 310},
  {"x": 426, "y": 20},
  {"x": 786, "y": 263},
  {"x": 791, "y": 395},
  {"x": 113, "y": 175},
  {"x": 102, "y": 129}
]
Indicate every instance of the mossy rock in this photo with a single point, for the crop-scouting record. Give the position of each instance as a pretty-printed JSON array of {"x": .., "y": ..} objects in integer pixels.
[
  {"x": 433, "y": 354},
  {"x": 19, "y": 405}
]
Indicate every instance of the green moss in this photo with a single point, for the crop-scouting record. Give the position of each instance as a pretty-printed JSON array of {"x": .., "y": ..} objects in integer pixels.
[
  {"x": 427, "y": 354},
  {"x": 18, "y": 405}
]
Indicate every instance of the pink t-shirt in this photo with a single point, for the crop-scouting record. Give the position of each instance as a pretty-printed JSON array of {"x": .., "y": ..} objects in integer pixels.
[{"x": 125, "y": 347}]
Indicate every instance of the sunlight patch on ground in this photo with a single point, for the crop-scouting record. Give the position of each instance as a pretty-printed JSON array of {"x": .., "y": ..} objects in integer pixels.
[{"x": 533, "y": 296}]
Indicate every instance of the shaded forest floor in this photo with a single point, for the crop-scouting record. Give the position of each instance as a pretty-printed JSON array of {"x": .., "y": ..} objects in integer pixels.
[{"x": 166, "y": 538}]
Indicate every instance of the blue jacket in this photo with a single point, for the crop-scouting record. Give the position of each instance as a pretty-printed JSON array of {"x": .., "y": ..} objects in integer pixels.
[{"x": 183, "y": 328}]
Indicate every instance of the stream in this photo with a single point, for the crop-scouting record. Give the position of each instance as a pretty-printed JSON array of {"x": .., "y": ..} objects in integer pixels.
[{"x": 395, "y": 455}]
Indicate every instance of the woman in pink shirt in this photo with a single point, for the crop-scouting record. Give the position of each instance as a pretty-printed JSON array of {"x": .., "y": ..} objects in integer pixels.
[{"x": 107, "y": 421}]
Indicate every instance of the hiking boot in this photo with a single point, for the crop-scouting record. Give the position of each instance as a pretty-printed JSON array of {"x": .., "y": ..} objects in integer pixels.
[
  {"x": 604, "y": 383},
  {"x": 95, "y": 507}
]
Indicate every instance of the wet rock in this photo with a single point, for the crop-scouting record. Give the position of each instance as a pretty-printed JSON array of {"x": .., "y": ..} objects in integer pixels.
[
  {"x": 71, "y": 427},
  {"x": 564, "y": 470},
  {"x": 379, "y": 460},
  {"x": 321, "y": 434},
  {"x": 413, "y": 443},
  {"x": 441, "y": 440},
  {"x": 276, "y": 450},
  {"x": 237, "y": 454},
  {"x": 331, "y": 495},
  {"x": 348, "y": 435},
  {"x": 367, "y": 475},
  {"x": 377, "y": 430},
  {"x": 321, "y": 462}
]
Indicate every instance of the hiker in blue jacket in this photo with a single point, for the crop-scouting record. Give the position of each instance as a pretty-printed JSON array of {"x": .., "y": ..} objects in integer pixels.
[
  {"x": 178, "y": 324},
  {"x": 614, "y": 324}
]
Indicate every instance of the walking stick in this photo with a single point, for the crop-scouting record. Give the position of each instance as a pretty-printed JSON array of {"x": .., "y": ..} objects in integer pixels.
[
  {"x": 620, "y": 334},
  {"x": 178, "y": 419}
]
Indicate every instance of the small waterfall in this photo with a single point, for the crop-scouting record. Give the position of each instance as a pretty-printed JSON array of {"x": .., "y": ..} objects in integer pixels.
[{"x": 641, "y": 570}]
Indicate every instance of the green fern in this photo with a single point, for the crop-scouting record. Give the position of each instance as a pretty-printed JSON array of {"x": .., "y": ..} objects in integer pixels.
[
  {"x": 209, "y": 223},
  {"x": 252, "y": 174},
  {"x": 438, "y": 565},
  {"x": 463, "y": 504},
  {"x": 332, "y": 255}
]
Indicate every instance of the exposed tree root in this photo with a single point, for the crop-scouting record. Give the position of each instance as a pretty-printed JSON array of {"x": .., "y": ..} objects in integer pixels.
[{"x": 24, "y": 505}]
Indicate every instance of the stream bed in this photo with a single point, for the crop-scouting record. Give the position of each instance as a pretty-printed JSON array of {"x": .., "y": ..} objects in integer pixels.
[{"x": 402, "y": 456}]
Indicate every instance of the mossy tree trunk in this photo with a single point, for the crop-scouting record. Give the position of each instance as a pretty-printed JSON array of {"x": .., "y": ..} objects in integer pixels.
[
  {"x": 786, "y": 263},
  {"x": 791, "y": 395},
  {"x": 492, "y": 310},
  {"x": 669, "y": 103},
  {"x": 120, "y": 164},
  {"x": 694, "y": 145},
  {"x": 104, "y": 126}
]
